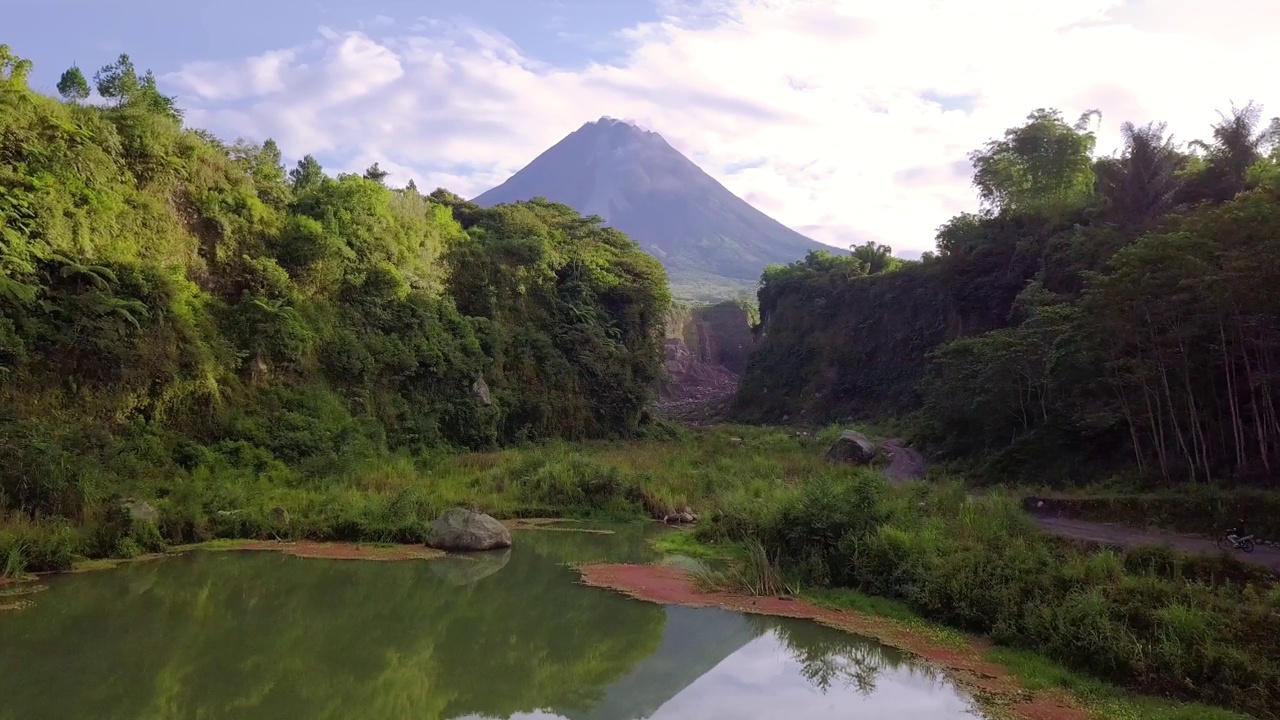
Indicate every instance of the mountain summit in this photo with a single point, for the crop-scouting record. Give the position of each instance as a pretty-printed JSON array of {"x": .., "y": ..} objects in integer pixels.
[{"x": 712, "y": 242}]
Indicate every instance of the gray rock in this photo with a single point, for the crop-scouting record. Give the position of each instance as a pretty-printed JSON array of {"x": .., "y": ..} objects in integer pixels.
[
  {"x": 852, "y": 447},
  {"x": 141, "y": 510},
  {"x": 462, "y": 529},
  {"x": 480, "y": 389}
]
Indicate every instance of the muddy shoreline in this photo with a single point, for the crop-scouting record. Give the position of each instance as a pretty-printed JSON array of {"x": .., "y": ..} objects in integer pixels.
[{"x": 996, "y": 690}]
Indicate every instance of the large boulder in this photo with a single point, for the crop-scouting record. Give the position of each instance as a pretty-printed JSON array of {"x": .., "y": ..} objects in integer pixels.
[
  {"x": 140, "y": 510},
  {"x": 462, "y": 529},
  {"x": 852, "y": 447},
  {"x": 480, "y": 389}
]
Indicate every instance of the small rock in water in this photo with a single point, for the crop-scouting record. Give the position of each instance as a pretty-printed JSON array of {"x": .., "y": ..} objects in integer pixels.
[{"x": 462, "y": 529}]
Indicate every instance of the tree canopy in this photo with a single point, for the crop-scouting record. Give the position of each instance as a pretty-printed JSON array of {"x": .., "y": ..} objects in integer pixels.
[
  {"x": 1097, "y": 312},
  {"x": 166, "y": 293}
]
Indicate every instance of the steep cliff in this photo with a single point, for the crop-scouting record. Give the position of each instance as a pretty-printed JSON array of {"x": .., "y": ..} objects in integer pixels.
[{"x": 706, "y": 351}]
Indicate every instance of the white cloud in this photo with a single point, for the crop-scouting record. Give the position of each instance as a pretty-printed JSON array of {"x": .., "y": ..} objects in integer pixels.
[{"x": 825, "y": 99}]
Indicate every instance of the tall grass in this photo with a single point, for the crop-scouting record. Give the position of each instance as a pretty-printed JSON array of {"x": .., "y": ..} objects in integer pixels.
[
  {"x": 1188, "y": 629},
  {"x": 1202, "y": 629},
  {"x": 239, "y": 491},
  {"x": 754, "y": 574}
]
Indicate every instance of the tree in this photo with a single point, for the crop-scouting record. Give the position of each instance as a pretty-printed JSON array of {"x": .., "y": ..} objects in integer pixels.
[
  {"x": 263, "y": 165},
  {"x": 375, "y": 173},
  {"x": 306, "y": 175},
  {"x": 73, "y": 86},
  {"x": 1045, "y": 165},
  {"x": 1142, "y": 183},
  {"x": 13, "y": 69},
  {"x": 117, "y": 81},
  {"x": 1238, "y": 145},
  {"x": 411, "y": 186},
  {"x": 875, "y": 258}
]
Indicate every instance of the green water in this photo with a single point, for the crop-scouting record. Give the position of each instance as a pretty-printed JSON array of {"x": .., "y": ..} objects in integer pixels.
[{"x": 263, "y": 636}]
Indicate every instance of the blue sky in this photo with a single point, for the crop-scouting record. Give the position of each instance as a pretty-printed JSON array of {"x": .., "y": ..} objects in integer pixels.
[
  {"x": 164, "y": 34},
  {"x": 848, "y": 120}
]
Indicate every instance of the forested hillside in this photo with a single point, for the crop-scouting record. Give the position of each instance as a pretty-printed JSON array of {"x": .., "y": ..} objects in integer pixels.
[
  {"x": 1096, "y": 312},
  {"x": 172, "y": 306}
]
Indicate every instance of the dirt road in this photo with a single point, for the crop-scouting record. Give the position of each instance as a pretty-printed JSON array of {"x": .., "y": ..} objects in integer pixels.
[
  {"x": 1125, "y": 536},
  {"x": 906, "y": 463}
]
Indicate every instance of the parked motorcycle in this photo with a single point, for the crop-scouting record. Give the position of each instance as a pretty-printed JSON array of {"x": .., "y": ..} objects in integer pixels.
[{"x": 1236, "y": 539}]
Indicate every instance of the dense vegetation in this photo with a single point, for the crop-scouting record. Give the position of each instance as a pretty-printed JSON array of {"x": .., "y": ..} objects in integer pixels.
[
  {"x": 718, "y": 333},
  {"x": 1200, "y": 629},
  {"x": 1095, "y": 313},
  {"x": 183, "y": 318},
  {"x": 267, "y": 353}
]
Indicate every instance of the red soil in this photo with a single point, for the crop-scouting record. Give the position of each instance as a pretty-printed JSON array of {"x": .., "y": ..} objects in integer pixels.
[{"x": 998, "y": 690}]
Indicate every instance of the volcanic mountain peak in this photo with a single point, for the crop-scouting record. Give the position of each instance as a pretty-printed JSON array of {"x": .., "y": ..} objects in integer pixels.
[{"x": 713, "y": 243}]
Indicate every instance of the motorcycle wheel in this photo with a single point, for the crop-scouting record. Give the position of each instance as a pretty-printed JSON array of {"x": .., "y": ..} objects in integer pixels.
[{"x": 1246, "y": 545}]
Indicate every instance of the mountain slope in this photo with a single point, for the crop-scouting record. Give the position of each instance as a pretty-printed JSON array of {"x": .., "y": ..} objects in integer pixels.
[{"x": 706, "y": 236}]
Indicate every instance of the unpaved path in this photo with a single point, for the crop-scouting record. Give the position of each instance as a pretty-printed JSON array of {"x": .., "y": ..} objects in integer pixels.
[
  {"x": 1126, "y": 536},
  {"x": 904, "y": 462}
]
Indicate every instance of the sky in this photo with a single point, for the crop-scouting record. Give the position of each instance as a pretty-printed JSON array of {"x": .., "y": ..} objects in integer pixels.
[{"x": 848, "y": 120}]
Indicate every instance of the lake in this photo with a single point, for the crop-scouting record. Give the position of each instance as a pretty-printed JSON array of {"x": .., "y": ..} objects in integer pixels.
[{"x": 266, "y": 636}]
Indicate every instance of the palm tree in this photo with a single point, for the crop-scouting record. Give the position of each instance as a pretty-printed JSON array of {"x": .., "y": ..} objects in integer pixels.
[
  {"x": 875, "y": 257},
  {"x": 1141, "y": 184},
  {"x": 1238, "y": 144}
]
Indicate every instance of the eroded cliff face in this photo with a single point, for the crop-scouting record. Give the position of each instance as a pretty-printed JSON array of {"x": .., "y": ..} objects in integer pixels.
[{"x": 706, "y": 352}]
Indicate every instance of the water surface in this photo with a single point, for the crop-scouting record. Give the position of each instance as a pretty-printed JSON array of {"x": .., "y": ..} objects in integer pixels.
[{"x": 263, "y": 636}]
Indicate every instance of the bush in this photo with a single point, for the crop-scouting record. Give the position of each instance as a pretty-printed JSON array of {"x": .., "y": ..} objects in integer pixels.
[
  {"x": 1191, "y": 628},
  {"x": 820, "y": 529},
  {"x": 37, "y": 547}
]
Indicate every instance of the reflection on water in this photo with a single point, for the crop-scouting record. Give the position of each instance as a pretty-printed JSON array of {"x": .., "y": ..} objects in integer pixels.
[{"x": 257, "y": 636}]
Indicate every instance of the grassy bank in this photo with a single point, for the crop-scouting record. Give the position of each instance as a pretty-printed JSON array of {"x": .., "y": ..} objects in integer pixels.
[
  {"x": 246, "y": 492},
  {"x": 1148, "y": 620},
  {"x": 1034, "y": 671}
]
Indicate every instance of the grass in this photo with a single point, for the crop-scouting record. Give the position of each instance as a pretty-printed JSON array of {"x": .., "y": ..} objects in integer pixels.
[
  {"x": 782, "y": 519},
  {"x": 858, "y": 602},
  {"x": 1035, "y": 672},
  {"x": 394, "y": 498},
  {"x": 685, "y": 542},
  {"x": 755, "y": 574}
]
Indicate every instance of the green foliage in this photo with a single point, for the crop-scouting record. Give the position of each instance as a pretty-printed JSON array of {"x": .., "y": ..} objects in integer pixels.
[
  {"x": 875, "y": 258},
  {"x": 978, "y": 565},
  {"x": 1042, "y": 166},
  {"x": 171, "y": 304},
  {"x": 833, "y": 343},
  {"x": 73, "y": 86},
  {"x": 1143, "y": 183},
  {"x": 1075, "y": 328}
]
